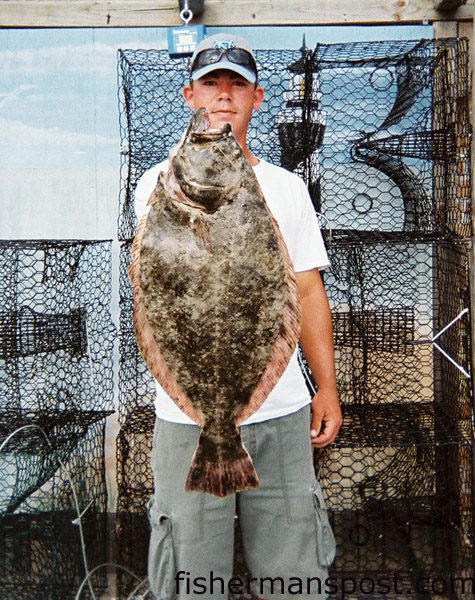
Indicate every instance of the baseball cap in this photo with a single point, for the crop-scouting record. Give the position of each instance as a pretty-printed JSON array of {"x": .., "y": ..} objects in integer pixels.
[{"x": 224, "y": 51}]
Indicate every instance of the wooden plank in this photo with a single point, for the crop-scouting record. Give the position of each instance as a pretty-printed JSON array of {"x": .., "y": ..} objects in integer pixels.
[
  {"x": 125, "y": 13},
  {"x": 445, "y": 29}
]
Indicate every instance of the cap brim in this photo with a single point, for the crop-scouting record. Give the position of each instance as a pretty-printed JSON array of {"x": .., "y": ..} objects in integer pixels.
[{"x": 224, "y": 64}]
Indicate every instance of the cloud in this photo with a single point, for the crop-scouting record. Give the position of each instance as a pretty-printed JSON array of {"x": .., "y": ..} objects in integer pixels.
[
  {"x": 90, "y": 58},
  {"x": 17, "y": 133},
  {"x": 7, "y": 97}
]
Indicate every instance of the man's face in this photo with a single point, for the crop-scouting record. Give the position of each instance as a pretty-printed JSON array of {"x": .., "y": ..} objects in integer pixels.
[{"x": 228, "y": 97}]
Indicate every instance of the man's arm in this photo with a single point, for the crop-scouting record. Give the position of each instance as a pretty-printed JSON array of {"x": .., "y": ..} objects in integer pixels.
[{"x": 316, "y": 339}]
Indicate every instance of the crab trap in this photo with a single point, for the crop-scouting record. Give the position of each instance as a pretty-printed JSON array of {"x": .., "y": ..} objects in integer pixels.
[
  {"x": 380, "y": 132},
  {"x": 56, "y": 339}
]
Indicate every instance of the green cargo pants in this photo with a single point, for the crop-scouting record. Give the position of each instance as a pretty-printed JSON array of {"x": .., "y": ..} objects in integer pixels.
[{"x": 287, "y": 538}]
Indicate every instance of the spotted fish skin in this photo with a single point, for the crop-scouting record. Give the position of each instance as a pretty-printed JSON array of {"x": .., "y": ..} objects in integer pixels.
[{"x": 217, "y": 312}]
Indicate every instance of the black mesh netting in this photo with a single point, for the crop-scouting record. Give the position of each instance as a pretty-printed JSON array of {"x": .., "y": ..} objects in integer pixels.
[
  {"x": 380, "y": 132},
  {"x": 56, "y": 338}
]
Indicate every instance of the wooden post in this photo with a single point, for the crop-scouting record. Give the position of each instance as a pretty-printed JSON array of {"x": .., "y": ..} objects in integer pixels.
[
  {"x": 468, "y": 30},
  {"x": 451, "y": 270}
]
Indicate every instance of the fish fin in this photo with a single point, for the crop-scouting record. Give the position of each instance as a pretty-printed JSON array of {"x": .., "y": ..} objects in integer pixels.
[
  {"x": 214, "y": 472},
  {"x": 155, "y": 195},
  {"x": 201, "y": 231},
  {"x": 134, "y": 267},
  {"x": 144, "y": 334}
]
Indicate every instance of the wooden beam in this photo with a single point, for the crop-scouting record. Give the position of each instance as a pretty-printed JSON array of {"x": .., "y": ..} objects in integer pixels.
[
  {"x": 464, "y": 31},
  {"x": 468, "y": 30},
  {"x": 448, "y": 5},
  {"x": 445, "y": 29},
  {"x": 142, "y": 13},
  {"x": 472, "y": 267}
]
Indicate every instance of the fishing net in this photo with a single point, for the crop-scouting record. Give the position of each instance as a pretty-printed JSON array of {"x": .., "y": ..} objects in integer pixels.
[
  {"x": 56, "y": 339},
  {"x": 380, "y": 132}
]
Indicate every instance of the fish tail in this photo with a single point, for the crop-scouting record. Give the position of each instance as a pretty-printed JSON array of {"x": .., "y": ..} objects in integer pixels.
[{"x": 221, "y": 469}]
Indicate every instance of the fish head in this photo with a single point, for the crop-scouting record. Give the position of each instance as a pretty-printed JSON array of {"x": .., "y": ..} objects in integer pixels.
[{"x": 208, "y": 164}]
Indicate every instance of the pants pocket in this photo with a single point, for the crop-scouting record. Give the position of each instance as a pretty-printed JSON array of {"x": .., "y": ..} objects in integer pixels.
[
  {"x": 326, "y": 546},
  {"x": 161, "y": 560}
]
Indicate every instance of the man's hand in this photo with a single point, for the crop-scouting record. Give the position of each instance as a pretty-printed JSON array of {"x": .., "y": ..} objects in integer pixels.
[
  {"x": 316, "y": 340},
  {"x": 325, "y": 408}
]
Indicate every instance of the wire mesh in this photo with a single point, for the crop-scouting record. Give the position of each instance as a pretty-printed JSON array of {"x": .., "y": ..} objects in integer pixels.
[
  {"x": 56, "y": 338},
  {"x": 40, "y": 547},
  {"x": 136, "y": 386},
  {"x": 135, "y": 486},
  {"x": 380, "y": 132}
]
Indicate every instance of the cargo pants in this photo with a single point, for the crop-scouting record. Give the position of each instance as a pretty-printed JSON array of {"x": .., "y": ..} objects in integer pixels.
[{"x": 287, "y": 538}]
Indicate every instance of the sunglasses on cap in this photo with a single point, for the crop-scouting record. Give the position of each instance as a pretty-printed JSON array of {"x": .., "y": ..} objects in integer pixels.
[{"x": 238, "y": 56}]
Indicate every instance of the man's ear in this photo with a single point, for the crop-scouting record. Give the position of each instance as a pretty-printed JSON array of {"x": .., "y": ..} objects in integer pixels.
[
  {"x": 188, "y": 95},
  {"x": 258, "y": 97}
]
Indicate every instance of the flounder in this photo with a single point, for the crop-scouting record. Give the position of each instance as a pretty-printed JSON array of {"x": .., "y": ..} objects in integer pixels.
[{"x": 216, "y": 306}]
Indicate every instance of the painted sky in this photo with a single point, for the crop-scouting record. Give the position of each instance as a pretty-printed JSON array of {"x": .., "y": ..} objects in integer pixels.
[{"x": 59, "y": 122}]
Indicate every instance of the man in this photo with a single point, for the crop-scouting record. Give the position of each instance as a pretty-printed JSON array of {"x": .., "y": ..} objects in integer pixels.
[{"x": 286, "y": 536}]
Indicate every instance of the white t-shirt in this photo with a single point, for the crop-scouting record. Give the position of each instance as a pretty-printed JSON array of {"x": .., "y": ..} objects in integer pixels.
[{"x": 287, "y": 198}]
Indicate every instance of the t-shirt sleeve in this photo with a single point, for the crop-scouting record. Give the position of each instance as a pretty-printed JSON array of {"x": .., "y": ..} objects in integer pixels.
[
  {"x": 309, "y": 251},
  {"x": 145, "y": 187}
]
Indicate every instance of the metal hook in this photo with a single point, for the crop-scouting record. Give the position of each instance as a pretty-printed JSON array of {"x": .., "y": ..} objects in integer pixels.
[
  {"x": 186, "y": 14},
  {"x": 189, "y": 15}
]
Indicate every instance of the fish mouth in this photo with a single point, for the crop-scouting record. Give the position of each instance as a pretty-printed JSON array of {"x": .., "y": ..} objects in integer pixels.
[
  {"x": 205, "y": 187},
  {"x": 200, "y": 131}
]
